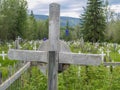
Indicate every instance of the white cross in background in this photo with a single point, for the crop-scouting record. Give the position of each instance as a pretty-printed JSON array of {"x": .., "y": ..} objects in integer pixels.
[
  {"x": 102, "y": 54},
  {"x": 79, "y": 52},
  {"x": 96, "y": 45},
  {"x": 79, "y": 68},
  {"x": 101, "y": 49},
  {"x": 3, "y": 55},
  {"x": 108, "y": 45},
  {"x": 108, "y": 52},
  {"x": 35, "y": 48},
  {"x": 119, "y": 51},
  {"x": 17, "y": 41},
  {"x": 18, "y": 38},
  {"x": 9, "y": 46}
]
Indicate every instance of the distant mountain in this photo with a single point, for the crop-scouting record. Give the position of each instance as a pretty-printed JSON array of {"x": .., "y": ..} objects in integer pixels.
[{"x": 72, "y": 21}]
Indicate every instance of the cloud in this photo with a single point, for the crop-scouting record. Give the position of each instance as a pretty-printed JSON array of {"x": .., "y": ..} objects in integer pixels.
[
  {"x": 33, "y": 4},
  {"x": 71, "y": 8},
  {"x": 115, "y": 8},
  {"x": 70, "y": 14}
]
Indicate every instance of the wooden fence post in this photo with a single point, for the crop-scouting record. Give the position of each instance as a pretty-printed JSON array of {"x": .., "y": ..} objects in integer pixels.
[
  {"x": 0, "y": 77},
  {"x": 52, "y": 71}
]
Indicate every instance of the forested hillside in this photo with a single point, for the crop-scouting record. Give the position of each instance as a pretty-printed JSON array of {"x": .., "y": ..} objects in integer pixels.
[{"x": 72, "y": 21}]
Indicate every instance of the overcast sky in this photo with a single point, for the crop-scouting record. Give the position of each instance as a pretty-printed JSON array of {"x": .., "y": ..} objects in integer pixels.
[{"x": 71, "y": 8}]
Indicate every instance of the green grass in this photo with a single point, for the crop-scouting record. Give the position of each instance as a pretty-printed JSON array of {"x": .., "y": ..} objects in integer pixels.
[{"x": 75, "y": 77}]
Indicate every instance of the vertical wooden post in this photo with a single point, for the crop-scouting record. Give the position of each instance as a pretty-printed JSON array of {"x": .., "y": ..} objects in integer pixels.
[
  {"x": 52, "y": 74},
  {"x": 17, "y": 44},
  {"x": 0, "y": 77},
  {"x": 54, "y": 26},
  {"x": 54, "y": 34}
]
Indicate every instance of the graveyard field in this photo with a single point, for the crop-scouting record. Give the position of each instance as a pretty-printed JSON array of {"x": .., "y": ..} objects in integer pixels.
[{"x": 75, "y": 77}]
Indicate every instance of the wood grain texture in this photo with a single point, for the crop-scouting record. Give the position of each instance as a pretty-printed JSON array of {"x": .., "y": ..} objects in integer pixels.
[
  {"x": 80, "y": 59},
  {"x": 62, "y": 45},
  {"x": 52, "y": 71},
  {"x": 28, "y": 55},
  {"x": 54, "y": 26},
  {"x": 54, "y": 45},
  {"x": 111, "y": 63}
]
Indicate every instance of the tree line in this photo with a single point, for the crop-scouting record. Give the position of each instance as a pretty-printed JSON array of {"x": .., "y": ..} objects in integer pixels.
[
  {"x": 15, "y": 21},
  {"x": 98, "y": 23}
]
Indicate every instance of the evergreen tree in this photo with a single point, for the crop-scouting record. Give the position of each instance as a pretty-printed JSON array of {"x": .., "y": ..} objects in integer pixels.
[
  {"x": 42, "y": 29},
  {"x": 93, "y": 21},
  {"x": 13, "y": 15},
  {"x": 21, "y": 20},
  {"x": 31, "y": 30},
  {"x": 46, "y": 28}
]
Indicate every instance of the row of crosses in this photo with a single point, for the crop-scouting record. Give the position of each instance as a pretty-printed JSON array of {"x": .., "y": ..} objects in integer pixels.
[
  {"x": 54, "y": 51},
  {"x": 3, "y": 54}
]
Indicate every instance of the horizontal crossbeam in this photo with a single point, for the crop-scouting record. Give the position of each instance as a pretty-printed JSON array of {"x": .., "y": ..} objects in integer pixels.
[
  {"x": 28, "y": 55},
  {"x": 111, "y": 63},
  {"x": 9, "y": 81},
  {"x": 64, "y": 57},
  {"x": 80, "y": 59}
]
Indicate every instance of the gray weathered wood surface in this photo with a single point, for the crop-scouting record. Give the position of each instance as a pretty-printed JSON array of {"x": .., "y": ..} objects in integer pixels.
[
  {"x": 80, "y": 59},
  {"x": 54, "y": 34},
  {"x": 14, "y": 77},
  {"x": 111, "y": 63},
  {"x": 64, "y": 57},
  {"x": 52, "y": 71},
  {"x": 62, "y": 45},
  {"x": 28, "y": 55},
  {"x": 54, "y": 26}
]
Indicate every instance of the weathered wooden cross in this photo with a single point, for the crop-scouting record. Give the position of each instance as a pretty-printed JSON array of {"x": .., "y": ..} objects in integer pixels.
[
  {"x": 54, "y": 51},
  {"x": 3, "y": 55},
  {"x": 9, "y": 46}
]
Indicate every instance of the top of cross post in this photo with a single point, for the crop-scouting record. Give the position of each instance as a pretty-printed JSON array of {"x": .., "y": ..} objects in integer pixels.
[
  {"x": 54, "y": 26},
  {"x": 54, "y": 4},
  {"x": 18, "y": 38}
]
